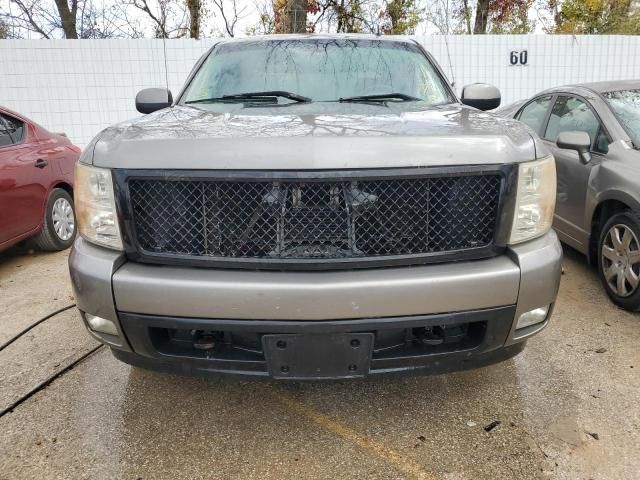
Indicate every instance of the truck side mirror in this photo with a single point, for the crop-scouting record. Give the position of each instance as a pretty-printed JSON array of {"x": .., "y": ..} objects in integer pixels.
[
  {"x": 578, "y": 141},
  {"x": 151, "y": 99},
  {"x": 481, "y": 96}
]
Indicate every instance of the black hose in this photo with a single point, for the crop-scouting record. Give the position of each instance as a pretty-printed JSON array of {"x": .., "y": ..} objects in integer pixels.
[
  {"x": 13, "y": 339},
  {"x": 47, "y": 382}
]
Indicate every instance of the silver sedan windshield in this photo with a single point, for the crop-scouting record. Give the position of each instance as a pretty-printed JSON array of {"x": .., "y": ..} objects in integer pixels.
[{"x": 626, "y": 106}]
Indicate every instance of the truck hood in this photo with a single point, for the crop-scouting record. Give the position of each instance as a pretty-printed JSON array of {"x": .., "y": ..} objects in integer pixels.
[{"x": 313, "y": 136}]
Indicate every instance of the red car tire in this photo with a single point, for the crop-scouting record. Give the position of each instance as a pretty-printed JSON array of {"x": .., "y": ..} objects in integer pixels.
[{"x": 59, "y": 225}]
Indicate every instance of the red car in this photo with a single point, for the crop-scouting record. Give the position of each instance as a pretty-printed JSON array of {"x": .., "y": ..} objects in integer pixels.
[{"x": 36, "y": 184}]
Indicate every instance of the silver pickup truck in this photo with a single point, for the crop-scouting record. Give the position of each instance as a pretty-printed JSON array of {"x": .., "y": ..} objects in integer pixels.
[{"x": 316, "y": 207}]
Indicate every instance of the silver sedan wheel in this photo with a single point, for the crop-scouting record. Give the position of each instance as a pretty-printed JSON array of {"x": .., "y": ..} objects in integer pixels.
[
  {"x": 621, "y": 260},
  {"x": 64, "y": 222}
]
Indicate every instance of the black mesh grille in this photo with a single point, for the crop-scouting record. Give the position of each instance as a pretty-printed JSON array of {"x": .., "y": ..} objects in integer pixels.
[{"x": 334, "y": 219}]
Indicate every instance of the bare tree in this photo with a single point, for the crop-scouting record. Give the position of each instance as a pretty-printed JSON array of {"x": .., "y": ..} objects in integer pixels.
[
  {"x": 369, "y": 16},
  {"x": 266, "y": 23},
  {"x": 95, "y": 22},
  {"x": 466, "y": 13},
  {"x": 449, "y": 16},
  {"x": 195, "y": 15},
  {"x": 4, "y": 30},
  {"x": 482, "y": 17},
  {"x": 67, "y": 12},
  {"x": 231, "y": 14},
  {"x": 169, "y": 17},
  {"x": 122, "y": 23},
  {"x": 29, "y": 15},
  {"x": 158, "y": 17},
  {"x": 61, "y": 18},
  {"x": 348, "y": 16}
]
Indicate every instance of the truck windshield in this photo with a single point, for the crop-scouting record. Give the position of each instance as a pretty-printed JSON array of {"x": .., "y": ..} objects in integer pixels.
[
  {"x": 626, "y": 105},
  {"x": 320, "y": 69}
]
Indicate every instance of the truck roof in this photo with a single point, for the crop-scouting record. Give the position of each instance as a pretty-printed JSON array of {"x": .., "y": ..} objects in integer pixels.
[{"x": 320, "y": 36}]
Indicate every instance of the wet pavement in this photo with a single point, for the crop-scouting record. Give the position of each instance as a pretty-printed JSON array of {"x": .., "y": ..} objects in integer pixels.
[{"x": 567, "y": 406}]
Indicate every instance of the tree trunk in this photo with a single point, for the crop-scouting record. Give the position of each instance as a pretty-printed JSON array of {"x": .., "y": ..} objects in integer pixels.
[
  {"x": 297, "y": 16},
  {"x": 195, "y": 9},
  {"x": 395, "y": 10},
  {"x": 68, "y": 17},
  {"x": 340, "y": 15},
  {"x": 482, "y": 14},
  {"x": 467, "y": 16}
]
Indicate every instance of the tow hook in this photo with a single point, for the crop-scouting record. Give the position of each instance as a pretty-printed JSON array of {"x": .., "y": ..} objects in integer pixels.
[
  {"x": 204, "y": 341},
  {"x": 438, "y": 335}
]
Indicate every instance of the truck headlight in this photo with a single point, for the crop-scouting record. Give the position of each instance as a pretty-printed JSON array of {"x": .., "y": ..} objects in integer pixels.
[
  {"x": 95, "y": 206},
  {"x": 535, "y": 200}
]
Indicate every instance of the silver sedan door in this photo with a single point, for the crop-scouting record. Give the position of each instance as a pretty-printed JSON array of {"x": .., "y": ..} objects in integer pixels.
[{"x": 573, "y": 113}]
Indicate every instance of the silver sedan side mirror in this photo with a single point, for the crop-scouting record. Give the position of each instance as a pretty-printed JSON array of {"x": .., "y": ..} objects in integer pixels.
[{"x": 578, "y": 141}]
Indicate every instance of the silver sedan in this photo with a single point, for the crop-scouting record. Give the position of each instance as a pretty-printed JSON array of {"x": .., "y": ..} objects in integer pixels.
[{"x": 593, "y": 131}]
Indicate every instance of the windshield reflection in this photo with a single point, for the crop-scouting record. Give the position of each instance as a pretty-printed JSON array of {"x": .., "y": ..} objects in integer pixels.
[{"x": 320, "y": 69}]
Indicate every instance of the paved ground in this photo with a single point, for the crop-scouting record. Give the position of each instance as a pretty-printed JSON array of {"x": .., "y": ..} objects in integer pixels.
[{"x": 567, "y": 406}]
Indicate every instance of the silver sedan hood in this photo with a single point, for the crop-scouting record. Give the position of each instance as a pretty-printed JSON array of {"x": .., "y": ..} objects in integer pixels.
[{"x": 313, "y": 136}]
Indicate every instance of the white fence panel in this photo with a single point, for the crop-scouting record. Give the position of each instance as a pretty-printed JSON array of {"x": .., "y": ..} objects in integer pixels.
[
  {"x": 82, "y": 86},
  {"x": 549, "y": 60}
]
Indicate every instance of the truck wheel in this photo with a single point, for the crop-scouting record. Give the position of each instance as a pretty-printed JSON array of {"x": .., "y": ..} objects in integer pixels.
[
  {"x": 59, "y": 226},
  {"x": 619, "y": 259}
]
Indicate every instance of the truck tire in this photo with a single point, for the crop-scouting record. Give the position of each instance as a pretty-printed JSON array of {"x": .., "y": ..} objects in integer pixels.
[
  {"x": 59, "y": 225},
  {"x": 619, "y": 259}
]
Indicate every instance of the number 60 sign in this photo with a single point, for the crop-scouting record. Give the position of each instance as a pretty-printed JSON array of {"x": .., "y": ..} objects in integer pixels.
[{"x": 518, "y": 58}]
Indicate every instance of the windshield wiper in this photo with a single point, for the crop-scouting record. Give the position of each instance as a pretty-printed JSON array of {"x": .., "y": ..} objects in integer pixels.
[
  {"x": 265, "y": 97},
  {"x": 382, "y": 97}
]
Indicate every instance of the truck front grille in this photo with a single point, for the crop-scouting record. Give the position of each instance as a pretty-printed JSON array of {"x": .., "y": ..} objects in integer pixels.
[{"x": 336, "y": 219}]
